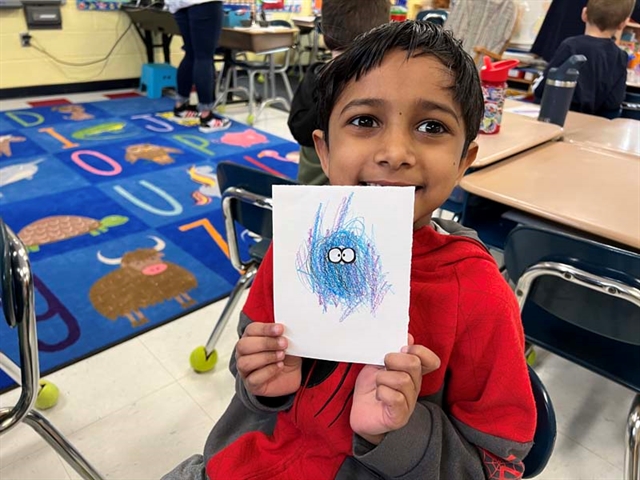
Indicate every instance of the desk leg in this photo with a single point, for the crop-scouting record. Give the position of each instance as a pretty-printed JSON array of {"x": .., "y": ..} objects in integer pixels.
[
  {"x": 272, "y": 75},
  {"x": 166, "y": 50},
  {"x": 315, "y": 46},
  {"x": 148, "y": 45},
  {"x": 273, "y": 98}
]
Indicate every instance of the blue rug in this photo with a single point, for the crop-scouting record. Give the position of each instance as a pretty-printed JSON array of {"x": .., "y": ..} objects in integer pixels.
[{"x": 121, "y": 213}]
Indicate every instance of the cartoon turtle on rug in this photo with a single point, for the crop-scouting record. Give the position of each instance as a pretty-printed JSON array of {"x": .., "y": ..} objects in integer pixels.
[{"x": 62, "y": 227}]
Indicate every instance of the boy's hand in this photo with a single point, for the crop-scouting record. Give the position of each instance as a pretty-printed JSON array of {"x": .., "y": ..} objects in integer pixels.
[
  {"x": 384, "y": 398},
  {"x": 262, "y": 363}
]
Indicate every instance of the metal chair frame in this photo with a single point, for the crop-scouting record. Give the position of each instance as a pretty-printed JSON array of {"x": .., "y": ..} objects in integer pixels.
[
  {"x": 609, "y": 287},
  {"x": 248, "y": 270},
  {"x": 18, "y": 301}
]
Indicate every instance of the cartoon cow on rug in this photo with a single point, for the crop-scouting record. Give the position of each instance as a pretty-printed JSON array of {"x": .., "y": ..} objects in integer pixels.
[{"x": 143, "y": 279}]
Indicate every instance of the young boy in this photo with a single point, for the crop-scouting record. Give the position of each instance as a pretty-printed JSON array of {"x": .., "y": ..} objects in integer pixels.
[
  {"x": 602, "y": 82},
  {"x": 342, "y": 22},
  {"x": 402, "y": 106}
]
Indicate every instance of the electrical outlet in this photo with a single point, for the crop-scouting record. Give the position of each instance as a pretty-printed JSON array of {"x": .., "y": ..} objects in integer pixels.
[{"x": 25, "y": 39}]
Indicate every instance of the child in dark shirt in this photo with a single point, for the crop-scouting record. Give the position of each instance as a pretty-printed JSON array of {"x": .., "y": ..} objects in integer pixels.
[
  {"x": 602, "y": 82},
  {"x": 342, "y": 21}
]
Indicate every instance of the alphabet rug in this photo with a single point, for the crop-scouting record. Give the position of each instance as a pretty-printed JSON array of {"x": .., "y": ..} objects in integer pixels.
[{"x": 120, "y": 211}]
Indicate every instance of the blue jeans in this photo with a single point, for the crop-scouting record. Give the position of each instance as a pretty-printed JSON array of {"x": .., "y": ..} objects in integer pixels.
[{"x": 200, "y": 26}]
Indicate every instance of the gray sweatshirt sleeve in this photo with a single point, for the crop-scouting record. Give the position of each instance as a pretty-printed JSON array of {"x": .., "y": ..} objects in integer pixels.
[
  {"x": 252, "y": 402},
  {"x": 434, "y": 447},
  {"x": 422, "y": 449}
]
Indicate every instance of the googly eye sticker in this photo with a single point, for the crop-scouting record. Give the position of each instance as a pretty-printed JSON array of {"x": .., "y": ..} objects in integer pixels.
[
  {"x": 348, "y": 255},
  {"x": 335, "y": 255},
  {"x": 341, "y": 255}
]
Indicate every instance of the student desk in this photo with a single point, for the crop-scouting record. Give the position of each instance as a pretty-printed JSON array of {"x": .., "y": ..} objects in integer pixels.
[
  {"x": 307, "y": 25},
  {"x": 517, "y": 134},
  {"x": 619, "y": 135},
  {"x": 150, "y": 20},
  {"x": 593, "y": 191},
  {"x": 575, "y": 121},
  {"x": 308, "y": 22},
  {"x": 257, "y": 40},
  {"x": 267, "y": 41}
]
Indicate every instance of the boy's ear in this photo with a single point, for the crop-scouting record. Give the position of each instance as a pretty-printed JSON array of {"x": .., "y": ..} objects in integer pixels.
[
  {"x": 467, "y": 160},
  {"x": 583, "y": 15},
  {"x": 322, "y": 149}
]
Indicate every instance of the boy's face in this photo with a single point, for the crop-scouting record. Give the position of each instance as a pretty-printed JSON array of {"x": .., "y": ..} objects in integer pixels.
[{"x": 398, "y": 125}]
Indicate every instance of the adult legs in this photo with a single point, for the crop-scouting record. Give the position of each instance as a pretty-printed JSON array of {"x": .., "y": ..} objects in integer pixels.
[
  {"x": 185, "y": 69},
  {"x": 205, "y": 21}
]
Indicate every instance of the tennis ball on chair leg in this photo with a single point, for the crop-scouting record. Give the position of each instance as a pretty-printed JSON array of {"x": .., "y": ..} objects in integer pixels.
[
  {"x": 48, "y": 395},
  {"x": 200, "y": 362}
]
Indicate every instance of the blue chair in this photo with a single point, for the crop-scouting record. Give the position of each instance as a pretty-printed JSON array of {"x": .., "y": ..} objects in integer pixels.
[
  {"x": 246, "y": 201},
  {"x": 545, "y": 435},
  {"x": 18, "y": 305},
  {"x": 156, "y": 76},
  {"x": 580, "y": 299},
  {"x": 439, "y": 17}
]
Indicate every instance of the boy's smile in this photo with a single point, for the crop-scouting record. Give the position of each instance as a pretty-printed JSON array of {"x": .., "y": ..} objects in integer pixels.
[{"x": 398, "y": 125}]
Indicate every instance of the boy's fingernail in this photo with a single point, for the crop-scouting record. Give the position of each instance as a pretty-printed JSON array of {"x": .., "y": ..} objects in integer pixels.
[
  {"x": 282, "y": 342},
  {"x": 404, "y": 349},
  {"x": 280, "y": 355},
  {"x": 275, "y": 329}
]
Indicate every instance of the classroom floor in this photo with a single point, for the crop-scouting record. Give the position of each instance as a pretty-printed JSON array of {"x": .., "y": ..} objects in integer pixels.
[{"x": 137, "y": 410}]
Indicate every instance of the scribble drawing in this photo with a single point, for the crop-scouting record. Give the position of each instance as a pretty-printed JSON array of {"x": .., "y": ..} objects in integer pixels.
[{"x": 340, "y": 264}]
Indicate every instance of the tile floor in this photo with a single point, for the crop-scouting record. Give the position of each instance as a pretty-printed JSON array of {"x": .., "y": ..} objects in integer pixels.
[{"x": 136, "y": 410}]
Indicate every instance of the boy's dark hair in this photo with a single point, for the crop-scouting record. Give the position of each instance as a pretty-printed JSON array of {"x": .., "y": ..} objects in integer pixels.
[
  {"x": 609, "y": 14},
  {"x": 416, "y": 38},
  {"x": 344, "y": 20}
]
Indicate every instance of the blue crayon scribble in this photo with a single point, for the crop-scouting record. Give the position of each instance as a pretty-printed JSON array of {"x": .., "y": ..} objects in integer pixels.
[{"x": 341, "y": 264}]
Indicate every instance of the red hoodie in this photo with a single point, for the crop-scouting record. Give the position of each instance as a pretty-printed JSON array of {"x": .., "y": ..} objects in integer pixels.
[{"x": 475, "y": 417}]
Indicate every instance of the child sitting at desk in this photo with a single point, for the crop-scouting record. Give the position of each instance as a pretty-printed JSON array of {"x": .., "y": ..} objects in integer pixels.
[
  {"x": 401, "y": 106},
  {"x": 602, "y": 82},
  {"x": 342, "y": 21}
]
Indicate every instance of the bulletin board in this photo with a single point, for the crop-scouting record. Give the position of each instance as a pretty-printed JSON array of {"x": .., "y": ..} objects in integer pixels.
[
  {"x": 290, "y": 6},
  {"x": 99, "y": 5}
]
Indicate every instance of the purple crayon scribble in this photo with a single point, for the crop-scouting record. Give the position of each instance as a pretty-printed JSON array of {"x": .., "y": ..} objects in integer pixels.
[{"x": 341, "y": 264}]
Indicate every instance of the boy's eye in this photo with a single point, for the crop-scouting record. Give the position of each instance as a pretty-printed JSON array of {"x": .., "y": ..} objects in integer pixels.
[
  {"x": 433, "y": 127},
  {"x": 364, "y": 121}
]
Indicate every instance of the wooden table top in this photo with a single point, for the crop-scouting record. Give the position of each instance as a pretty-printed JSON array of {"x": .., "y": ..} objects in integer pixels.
[
  {"x": 306, "y": 22},
  {"x": 517, "y": 134},
  {"x": 619, "y": 135},
  {"x": 260, "y": 30},
  {"x": 575, "y": 121},
  {"x": 591, "y": 190},
  {"x": 257, "y": 39}
]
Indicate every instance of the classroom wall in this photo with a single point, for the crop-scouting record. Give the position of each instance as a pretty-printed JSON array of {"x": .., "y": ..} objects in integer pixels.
[{"x": 85, "y": 36}]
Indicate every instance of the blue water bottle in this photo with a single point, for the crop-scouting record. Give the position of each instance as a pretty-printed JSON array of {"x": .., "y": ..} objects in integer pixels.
[{"x": 558, "y": 90}]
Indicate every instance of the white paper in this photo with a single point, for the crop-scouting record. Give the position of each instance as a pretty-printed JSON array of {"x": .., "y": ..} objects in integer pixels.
[
  {"x": 532, "y": 110},
  {"x": 342, "y": 265}
]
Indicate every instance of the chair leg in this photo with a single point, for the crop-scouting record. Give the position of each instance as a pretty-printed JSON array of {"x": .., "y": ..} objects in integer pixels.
[
  {"x": 287, "y": 85},
  {"x": 61, "y": 445},
  {"x": 244, "y": 282},
  {"x": 252, "y": 74},
  {"x": 632, "y": 442}
]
